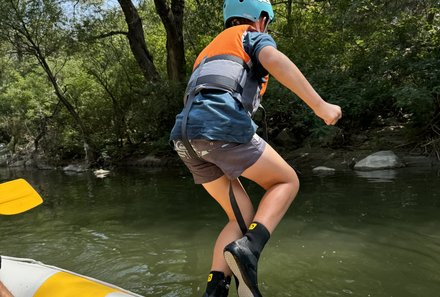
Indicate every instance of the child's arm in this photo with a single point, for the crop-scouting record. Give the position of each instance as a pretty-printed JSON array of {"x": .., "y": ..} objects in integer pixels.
[{"x": 286, "y": 72}]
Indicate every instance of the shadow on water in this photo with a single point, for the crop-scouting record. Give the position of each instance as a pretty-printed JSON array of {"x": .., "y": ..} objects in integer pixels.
[{"x": 152, "y": 231}]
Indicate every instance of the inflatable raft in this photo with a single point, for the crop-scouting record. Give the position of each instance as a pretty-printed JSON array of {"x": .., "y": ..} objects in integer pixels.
[{"x": 30, "y": 278}]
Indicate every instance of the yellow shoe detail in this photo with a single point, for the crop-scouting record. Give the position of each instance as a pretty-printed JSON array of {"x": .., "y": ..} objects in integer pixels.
[{"x": 252, "y": 226}]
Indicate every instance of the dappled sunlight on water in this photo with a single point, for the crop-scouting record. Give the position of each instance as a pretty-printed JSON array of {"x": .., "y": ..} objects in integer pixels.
[{"x": 152, "y": 232}]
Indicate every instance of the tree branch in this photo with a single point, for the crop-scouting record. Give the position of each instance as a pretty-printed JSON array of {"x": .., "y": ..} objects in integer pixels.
[{"x": 109, "y": 34}]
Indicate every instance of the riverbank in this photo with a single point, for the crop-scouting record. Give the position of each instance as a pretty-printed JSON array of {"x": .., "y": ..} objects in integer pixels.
[
  {"x": 342, "y": 157},
  {"x": 334, "y": 150},
  {"x": 331, "y": 151}
]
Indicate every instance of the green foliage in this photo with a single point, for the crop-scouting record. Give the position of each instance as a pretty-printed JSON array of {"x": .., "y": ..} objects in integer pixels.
[
  {"x": 203, "y": 21},
  {"x": 25, "y": 99},
  {"x": 374, "y": 58}
]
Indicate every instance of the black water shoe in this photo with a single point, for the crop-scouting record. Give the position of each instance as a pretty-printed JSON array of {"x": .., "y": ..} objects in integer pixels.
[
  {"x": 243, "y": 263},
  {"x": 218, "y": 285}
]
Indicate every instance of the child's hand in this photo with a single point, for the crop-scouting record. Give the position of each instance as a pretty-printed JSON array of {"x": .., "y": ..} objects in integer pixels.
[{"x": 330, "y": 113}]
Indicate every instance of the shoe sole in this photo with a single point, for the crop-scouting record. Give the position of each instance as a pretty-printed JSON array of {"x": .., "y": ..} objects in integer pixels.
[{"x": 243, "y": 289}]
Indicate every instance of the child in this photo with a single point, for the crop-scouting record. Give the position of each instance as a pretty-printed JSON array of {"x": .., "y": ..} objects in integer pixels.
[{"x": 215, "y": 137}]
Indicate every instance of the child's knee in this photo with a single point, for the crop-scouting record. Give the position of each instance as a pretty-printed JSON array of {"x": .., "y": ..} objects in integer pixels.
[{"x": 293, "y": 182}]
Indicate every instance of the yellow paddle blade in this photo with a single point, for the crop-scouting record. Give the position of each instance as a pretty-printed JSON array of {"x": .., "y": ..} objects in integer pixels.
[{"x": 17, "y": 196}]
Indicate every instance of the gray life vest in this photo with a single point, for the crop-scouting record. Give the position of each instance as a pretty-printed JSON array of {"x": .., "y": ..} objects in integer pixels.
[{"x": 230, "y": 74}]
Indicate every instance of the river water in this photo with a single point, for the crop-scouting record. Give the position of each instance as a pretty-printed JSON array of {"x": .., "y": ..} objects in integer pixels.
[{"x": 152, "y": 231}]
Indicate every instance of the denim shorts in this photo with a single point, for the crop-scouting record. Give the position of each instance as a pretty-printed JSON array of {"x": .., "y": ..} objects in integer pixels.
[{"x": 218, "y": 158}]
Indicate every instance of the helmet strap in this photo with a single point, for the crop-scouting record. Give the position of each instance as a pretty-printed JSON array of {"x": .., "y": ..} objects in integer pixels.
[
  {"x": 263, "y": 28},
  {"x": 266, "y": 26}
]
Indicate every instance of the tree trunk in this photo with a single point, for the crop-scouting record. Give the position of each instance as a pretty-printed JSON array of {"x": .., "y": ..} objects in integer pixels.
[
  {"x": 137, "y": 42},
  {"x": 172, "y": 19}
]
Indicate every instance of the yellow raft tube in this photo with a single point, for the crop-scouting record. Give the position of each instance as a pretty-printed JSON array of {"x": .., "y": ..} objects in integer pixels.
[{"x": 30, "y": 278}]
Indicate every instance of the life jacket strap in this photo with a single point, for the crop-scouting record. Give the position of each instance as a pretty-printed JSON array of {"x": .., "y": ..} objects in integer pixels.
[
  {"x": 188, "y": 101},
  {"x": 218, "y": 82},
  {"x": 232, "y": 78}
]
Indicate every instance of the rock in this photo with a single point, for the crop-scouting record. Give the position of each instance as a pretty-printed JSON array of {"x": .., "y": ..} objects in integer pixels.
[
  {"x": 149, "y": 161},
  {"x": 30, "y": 163},
  {"x": 418, "y": 161},
  {"x": 3, "y": 160},
  {"x": 101, "y": 173},
  {"x": 44, "y": 166},
  {"x": 284, "y": 138},
  {"x": 18, "y": 163},
  {"x": 3, "y": 148},
  {"x": 379, "y": 160},
  {"x": 322, "y": 170},
  {"x": 75, "y": 168},
  {"x": 40, "y": 161}
]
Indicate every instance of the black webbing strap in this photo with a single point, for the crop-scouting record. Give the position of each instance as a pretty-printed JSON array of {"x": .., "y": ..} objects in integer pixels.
[
  {"x": 185, "y": 139},
  {"x": 221, "y": 82},
  {"x": 236, "y": 209},
  {"x": 189, "y": 101}
]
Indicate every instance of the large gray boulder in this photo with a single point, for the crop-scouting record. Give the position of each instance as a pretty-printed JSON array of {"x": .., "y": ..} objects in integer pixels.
[{"x": 379, "y": 160}]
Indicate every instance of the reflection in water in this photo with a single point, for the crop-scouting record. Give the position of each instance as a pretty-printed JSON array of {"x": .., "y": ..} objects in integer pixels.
[
  {"x": 152, "y": 233},
  {"x": 378, "y": 175}
]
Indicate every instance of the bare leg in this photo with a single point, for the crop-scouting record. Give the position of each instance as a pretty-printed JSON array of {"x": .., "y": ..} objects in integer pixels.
[
  {"x": 4, "y": 292},
  {"x": 280, "y": 182},
  {"x": 219, "y": 189}
]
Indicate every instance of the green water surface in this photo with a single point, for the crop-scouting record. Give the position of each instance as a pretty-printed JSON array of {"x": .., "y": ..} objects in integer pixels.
[{"x": 152, "y": 231}]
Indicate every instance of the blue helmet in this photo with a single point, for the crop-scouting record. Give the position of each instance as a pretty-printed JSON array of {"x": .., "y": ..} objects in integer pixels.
[{"x": 248, "y": 9}]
